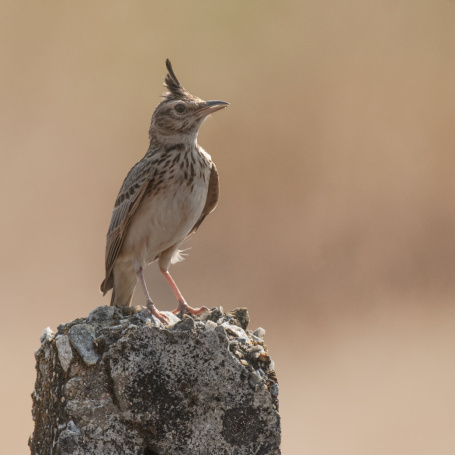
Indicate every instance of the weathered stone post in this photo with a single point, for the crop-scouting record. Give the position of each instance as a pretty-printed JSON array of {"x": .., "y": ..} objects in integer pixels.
[{"x": 117, "y": 383}]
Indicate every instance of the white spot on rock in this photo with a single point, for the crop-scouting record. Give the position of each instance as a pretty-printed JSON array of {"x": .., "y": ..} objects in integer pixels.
[
  {"x": 47, "y": 335},
  {"x": 259, "y": 332},
  {"x": 210, "y": 326}
]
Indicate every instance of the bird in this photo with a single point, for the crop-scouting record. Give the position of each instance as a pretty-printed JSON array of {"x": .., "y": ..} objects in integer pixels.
[{"x": 163, "y": 200}]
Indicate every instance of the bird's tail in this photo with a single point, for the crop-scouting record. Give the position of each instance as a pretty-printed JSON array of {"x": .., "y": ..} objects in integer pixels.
[
  {"x": 107, "y": 284},
  {"x": 120, "y": 299},
  {"x": 113, "y": 298},
  {"x": 104, "y": 288},
  {"x": 122, "y": 292}
]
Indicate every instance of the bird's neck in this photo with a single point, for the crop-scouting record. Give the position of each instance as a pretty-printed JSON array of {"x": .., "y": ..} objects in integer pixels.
[{"x": 158, "y": 139}]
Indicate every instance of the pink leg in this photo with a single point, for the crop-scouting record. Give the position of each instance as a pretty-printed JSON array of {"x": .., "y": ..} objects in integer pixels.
[
  {"x": 150, "y": 306},
  {"x": 183, "y": 306}
]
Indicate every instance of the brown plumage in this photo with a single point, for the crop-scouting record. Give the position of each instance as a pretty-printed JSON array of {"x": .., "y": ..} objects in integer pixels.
[{"x": 164, "y": 198}]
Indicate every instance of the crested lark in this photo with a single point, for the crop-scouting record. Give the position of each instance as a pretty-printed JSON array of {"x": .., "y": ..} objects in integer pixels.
[{"x": 163, "y": 199}]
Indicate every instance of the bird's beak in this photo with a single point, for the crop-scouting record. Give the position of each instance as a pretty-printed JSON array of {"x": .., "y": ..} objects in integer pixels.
[{"x": 209, "y": 108}]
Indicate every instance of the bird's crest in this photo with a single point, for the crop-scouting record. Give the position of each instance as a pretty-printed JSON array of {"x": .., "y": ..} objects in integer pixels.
[{"x": 176, "y": 90}]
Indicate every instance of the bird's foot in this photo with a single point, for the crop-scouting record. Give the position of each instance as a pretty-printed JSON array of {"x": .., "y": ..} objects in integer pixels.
[
  {"x": 151, "y": 309},
  {"x": 185, "y": 308}
]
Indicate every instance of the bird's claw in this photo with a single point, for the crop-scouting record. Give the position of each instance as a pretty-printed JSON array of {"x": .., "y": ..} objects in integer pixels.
[
  {"x": 151, "y": 309},
  {"x": 185, "y": 308}
]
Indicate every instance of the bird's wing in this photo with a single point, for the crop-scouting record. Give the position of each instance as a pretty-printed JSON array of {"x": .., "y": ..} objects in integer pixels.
[
  {"x": 129, "y": 197},
  {"x": 212, "y": 196}
]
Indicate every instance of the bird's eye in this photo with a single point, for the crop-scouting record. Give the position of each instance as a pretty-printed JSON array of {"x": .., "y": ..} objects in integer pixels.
[{"x": 180, "y": 108}]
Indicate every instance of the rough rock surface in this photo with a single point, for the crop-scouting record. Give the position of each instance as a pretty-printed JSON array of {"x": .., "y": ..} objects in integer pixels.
[{"x": 118, "y": 382}]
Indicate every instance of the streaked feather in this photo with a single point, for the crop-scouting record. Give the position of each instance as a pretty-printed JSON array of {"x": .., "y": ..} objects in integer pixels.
[
  {"x": 130, "y": 195},
  {"x": 213, "y": 194},
  {"x": 175, "y": 88}
]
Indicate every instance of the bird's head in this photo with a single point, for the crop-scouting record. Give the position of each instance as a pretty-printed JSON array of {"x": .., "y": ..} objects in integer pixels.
[{"x": 180, "y": 113}]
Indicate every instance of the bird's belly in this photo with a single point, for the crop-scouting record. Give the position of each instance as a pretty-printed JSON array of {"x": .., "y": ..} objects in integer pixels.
[{"x": 164, "y": 219}]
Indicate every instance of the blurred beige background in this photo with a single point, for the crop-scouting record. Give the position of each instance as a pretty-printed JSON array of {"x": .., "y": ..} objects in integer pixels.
[{"x": 336, "y": 221}]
